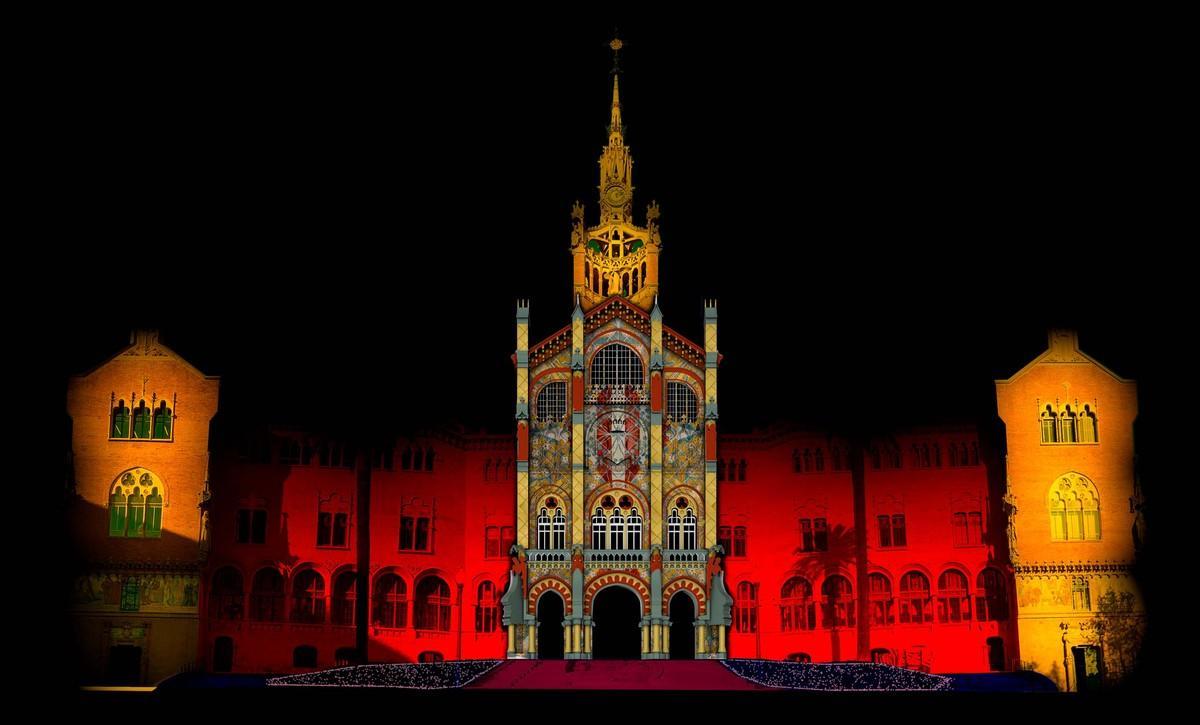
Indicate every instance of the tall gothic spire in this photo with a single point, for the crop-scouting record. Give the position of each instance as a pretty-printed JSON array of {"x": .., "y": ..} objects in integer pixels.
[{"x": 616, "y": 165}]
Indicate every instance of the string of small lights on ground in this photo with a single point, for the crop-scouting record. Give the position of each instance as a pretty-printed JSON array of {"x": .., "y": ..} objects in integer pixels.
[
  {"x": 422, "y": 676},
  {"x": 842, "y": 676}
]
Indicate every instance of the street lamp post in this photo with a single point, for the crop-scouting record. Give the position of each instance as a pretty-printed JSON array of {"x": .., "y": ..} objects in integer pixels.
[{"x": 1066, "y": 667}]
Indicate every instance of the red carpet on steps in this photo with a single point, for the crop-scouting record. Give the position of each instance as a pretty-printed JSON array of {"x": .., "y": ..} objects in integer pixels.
[{"x": 612, "y": 675}]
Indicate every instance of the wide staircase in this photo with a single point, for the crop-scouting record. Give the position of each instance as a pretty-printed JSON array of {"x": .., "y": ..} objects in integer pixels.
[{"x": 613, "y": 675}]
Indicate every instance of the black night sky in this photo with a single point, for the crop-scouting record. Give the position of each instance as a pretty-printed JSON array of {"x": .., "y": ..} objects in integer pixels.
[
  {"x": 339, "y": 229},
  {"x": 337, "y": 216}
]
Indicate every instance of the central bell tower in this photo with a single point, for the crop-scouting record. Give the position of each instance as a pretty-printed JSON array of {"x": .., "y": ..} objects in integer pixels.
[
  {"x": 616, "y": 414},
  {"x": 615, "y": 257}
]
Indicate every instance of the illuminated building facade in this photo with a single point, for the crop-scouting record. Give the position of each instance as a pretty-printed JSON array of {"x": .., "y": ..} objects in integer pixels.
[{"x": 617, "y": 523}]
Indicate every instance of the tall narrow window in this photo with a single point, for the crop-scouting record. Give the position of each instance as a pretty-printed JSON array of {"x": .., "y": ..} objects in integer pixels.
[
  {"x": 1049, "y": 420},
  {"x": 486, "y": 611},
  {"x": 914, "y": 599},
  {"x": 820, "y": 535},
  {"x": 416, "y": 533},
  {"x": 725, "y": 539},
  {"x": 162, "y": 421},
  {"x": 120, "y": 421},
  {"x": 882, "y": 613},
  {"x": 423, "y": 531},
  {"x": 154, "y": 512},
  {"x": 433, "y": 605},
  {"x": 616, "y": 524},
  {"x": 343, "y": 598},
  {"x": 634, "y": 527},
  {"x": 599, "y": 529},
  {"x": 899, "y": 533},
  {"x": 308, "y": 598},
  {"x": 674, "y": 524},
  {"x": 137, "y": 513},
  {"x": 552, "y": 402},
  {"x": 141, "y": 421},
  {"x": 391, "y": 602},
  {"x": 1081, "y": 594},
  {"x": 689, "y": 530},
  {"x": 746, "y": 608},
  {"x": 885, "y": 530},
  {"x": 681, "y": 402},
  {"x": 266, "y": 596},
  {"x": 1087, "y": 426},
  {"x": 954, "y": 601},
  {"x": 974, "y": 528},
  {"x": 543, "y": 529},
  {"x": 797, "y": 611},
  {"x": 739, "y": 541},
  {"x": 491, "y": 542},
  {"x": 560, "y": 529},
  {"x": 839, "y": 602},
  {"x": 1066, "y": 426},
  {"x": 117, "y": 512}
]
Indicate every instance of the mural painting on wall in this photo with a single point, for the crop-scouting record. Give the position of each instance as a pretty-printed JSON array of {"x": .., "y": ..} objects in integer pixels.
[{"x": 113, "y": 591}]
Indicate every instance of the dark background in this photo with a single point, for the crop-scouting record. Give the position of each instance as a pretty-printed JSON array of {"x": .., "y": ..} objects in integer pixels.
[{"x": 337, "y": 215}]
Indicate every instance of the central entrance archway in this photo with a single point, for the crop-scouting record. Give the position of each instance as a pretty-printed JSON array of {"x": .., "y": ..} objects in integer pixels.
[
  {"x": 617, "y": 615},
  {"x": 683, "y": 627},
  {"x": 550, "y": 626}
]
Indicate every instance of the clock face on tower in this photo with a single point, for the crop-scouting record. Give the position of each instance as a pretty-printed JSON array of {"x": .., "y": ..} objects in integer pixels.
[{"x": 615, "y": 195}]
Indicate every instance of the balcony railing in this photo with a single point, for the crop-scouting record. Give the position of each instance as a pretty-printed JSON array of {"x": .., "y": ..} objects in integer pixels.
[{"x": 631, "y": 394}]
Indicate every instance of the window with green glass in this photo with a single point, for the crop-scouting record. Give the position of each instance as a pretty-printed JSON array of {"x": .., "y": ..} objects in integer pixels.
[
  {"x": 154, "y": 508},
  {"x": 116, "y": 513},
  {"x": 136, "y": 519},
  {"x": 141, "y": 421},
  {"x": 120, "y": 421},
  {"x": 162, "y": 421},
  {"x": 130, "y": 595}
]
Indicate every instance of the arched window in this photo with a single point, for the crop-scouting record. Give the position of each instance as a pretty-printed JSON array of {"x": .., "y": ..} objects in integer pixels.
[
  {"x": 433, "y": 605},
  {"x": 599, "y": 529},
  {"x": 162, "y": 422},
  {"x": 304, "y": 656},
  {"x": 487, "y": 612},
  {"x": 225, "y": 601},
  {"x": 616, "y": 365},
  {"x": 543, "y": 529},
  {"x": 625, "y": 284},
  {"x": 1087, "y": 426},
  {"x": 119, "y": 427},
  {"x": 797, "y": 610},
  {"x": 344, "y": 598},
  {"x": 560, "y": 529},
  {"x": 745, "y": 617},
  {"x": 689, "y": 530},
  {"x": 595, "y": 279},
  {"x": 418, "y": 459},
  {"x": 136, "y": 519},
  {"x": 1049, "y": 421},
  {"x": 635, "y": 280},
  {"x": 1066, "y": 426},
  {"x": 429, "y": 459},
  {"x": 914, "y": 599},
  {"x": 633, "y": 525},
  {"x": 587, "y": 273},
  {"x": 991, "y": 598},
  {"x": 882, "y": 613},
  {"x": 1074, "y": 509},
  {"x": 154, "y": 508},
  {"x": 266, "y": 596},
  {"x": 308, "y": 597},
  {"x": 839, "y": 602},
  {"x": 954, "y": 601},
  {"x": 616, "y": 525},
  {"x": 681, "y": 402},
  {"x": 673, "y": 529},
  {"x": 141, "y": 421},
  {"x": 551, "y": 403},
  {"x": 117, "y": 512},
  {"x": 391, "y": 602},
  {"x": 643, "y": 272}
]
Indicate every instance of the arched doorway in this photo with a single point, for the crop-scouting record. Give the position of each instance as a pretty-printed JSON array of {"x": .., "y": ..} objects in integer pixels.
[
  {"x": 683, "y": 627},
  {"x": 617, "y": 616},
  {"x": 550, "y": 626}
]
